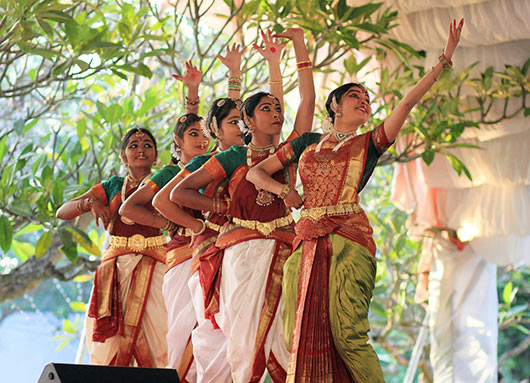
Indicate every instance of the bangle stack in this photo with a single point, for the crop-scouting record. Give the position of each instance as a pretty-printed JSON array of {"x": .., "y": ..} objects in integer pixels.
[
  {"x": 234, "y": 84},
  {"x": 218, "y": 206},
  {"x": 301, "y": 65},
  {"x": 192, "y": 101},
  {"x": 276, "y": 82},
  {"x": 169, "y": 226},
  {"x": 85, "y": 204},
  {"x": 446, "y": 63},
  {"x": 286, "y": 189}
]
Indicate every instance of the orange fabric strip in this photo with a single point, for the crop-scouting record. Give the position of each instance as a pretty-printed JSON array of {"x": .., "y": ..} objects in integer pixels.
[
  {"x": 178, "y": 255},
  {"x": 186, "y": 361}
]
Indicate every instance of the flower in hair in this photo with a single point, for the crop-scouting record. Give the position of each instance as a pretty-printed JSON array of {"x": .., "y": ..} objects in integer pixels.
[
  {"x": 242, "y": 127},
  {"x": 204, "y": 128}
]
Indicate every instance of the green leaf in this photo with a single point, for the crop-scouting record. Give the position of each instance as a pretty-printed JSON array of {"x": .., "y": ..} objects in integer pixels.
[
  {"x": 428, "y": 156},
  {"x": 378, "y": 309},
  {"x": 113, "y": 113},
  {"x": 69, "y": 248},
  {"x": 58, "y": 192},
  {"x": 507, "y": 293},
  {"x": 21, "y": 208},
  {"x": 45, "y": 27},
  {"x": 6, "y": 233},
  {"x": 526, "y": 66},
  {"x": 119, "y": 74},
  {"x": 43, "y": 244},
  {"x": 58, "y": 16},
  {"x": 526, "y": 112},
  {"x": 84, "y": 241}
]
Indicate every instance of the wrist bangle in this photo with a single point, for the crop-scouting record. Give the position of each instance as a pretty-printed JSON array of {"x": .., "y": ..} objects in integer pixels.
[
  {"x": 301, "y": 65},
  {"x": 192, "y": 101},
  {"x": 202, "y": 228},
  {"x": 286, "y": 189},
  {"x": 446, "y": 63},
  {"x": 273, "y": 82}
]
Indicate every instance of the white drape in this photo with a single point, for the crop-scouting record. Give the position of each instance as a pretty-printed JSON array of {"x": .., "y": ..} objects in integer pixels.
[{"x": 493, "y": 211}]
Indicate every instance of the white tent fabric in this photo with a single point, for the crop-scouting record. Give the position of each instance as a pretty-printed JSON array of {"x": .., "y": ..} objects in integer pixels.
[{"x": 493, "y": 211}]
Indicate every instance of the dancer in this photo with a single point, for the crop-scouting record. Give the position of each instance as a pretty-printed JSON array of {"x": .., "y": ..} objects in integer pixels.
[
  {"x": 258, "y": 239},
  {"x": 127, "y": 318},
  {"x": 328, "y": 281},
  {"x": 189, "y": 142},
  {"x": 182, "y": 318}
]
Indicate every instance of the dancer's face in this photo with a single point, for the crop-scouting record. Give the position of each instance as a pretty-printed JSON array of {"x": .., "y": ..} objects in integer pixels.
[
  {"x": 140, "y": 151},
  {"x": 355, "y": 106},
  {"x": 193, "y": 143},
  {"x": 229, "y": 133},
  {"x": 268, "y": 116}
]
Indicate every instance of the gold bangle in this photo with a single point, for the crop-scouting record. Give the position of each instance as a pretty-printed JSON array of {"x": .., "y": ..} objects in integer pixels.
[
  {"x": 286, "y": 189},
  {"x": 202, "y": 228},
  {"x": 273, "y": 82},
  {"x": 305, "y": 67},
  {"x": 446, "y": 63},
  {"x": 301, "y": 64}
]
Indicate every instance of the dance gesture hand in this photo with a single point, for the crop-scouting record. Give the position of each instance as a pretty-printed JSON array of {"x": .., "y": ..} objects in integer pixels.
[
  {"x": 192, "y": 76},
  {"x": 293, "y": 34},
  {"x": 454, "y": 37},
  {"x": 232, "y": 59},
  {"x": 100, "y": 211},
  {"x": 273, "y": 48},
  {"x": 293, "y": 200}
]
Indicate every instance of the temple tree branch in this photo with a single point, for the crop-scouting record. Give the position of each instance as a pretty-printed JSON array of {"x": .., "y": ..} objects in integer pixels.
[{"x": 519, "y": 349}]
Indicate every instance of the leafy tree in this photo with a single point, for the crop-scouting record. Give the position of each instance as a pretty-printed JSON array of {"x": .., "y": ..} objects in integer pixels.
[{"x": 76, "y": 75}]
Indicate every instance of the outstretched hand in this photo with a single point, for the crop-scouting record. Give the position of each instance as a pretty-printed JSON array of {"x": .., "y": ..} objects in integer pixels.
[
  {"x": 192, "y": 76},
  {"x": 232, "y": 59},
  {"x": 454, "y": 37},
  {"x": 273, "y": 48},
  {"x": 291, "y": 34}
]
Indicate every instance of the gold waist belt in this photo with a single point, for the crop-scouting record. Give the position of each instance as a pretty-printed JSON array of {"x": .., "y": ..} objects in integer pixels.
[
  {"x": 264, "y": 228},
  {"x": 316, "y": 213},
  {"x": 213, "y": 226},
  {"x": 137, "y": 242}
]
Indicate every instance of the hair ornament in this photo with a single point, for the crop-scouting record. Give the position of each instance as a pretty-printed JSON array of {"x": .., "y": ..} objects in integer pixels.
[
  {"x": 175, "y": 151},
  {"x": 238, "y": 103},
  {"x": 204, "y": 128},
  {"x": 183, "y": 119},
  {"x": 221, "y": 102}
]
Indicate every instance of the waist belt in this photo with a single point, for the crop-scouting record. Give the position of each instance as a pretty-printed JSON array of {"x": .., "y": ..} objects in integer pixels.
[
  {"x": 264, "y": 228},
  {"x": 316, "y": 213},
  {"x": 137, "y": 242},
  {"x": 187, "y": 232}
]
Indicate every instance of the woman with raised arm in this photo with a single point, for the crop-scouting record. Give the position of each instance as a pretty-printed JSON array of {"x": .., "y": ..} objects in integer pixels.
[
  {"x": 181, "y": 314},
  {"x": 127, "y": 318},
  {"x": 189, "y": 141},
  {"x": 258, "y": 238},
  {"x": 328, "y": 281}
]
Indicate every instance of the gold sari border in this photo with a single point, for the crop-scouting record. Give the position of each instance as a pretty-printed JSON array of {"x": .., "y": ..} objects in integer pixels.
[{"x": 317, "y": 213}]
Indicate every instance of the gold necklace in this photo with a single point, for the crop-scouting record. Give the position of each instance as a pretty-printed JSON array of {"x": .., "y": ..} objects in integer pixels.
[
  {"x": 181, "y": 164},
  {"x": 133, "y": 183},
  {"x": 264, "y": 197},
  {"x": 324, "y": 159}
]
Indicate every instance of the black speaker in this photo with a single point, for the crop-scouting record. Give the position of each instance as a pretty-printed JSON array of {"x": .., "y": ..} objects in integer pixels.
[{"x": 85, "y": 373}]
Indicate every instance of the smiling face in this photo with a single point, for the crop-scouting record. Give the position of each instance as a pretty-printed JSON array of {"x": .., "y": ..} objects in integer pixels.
[
  {"x": 229, "y": 133},
  {"x": 140, "y": 151},
  {"x": 355, "y": 106},
  {"x": 268, "y": 116},
  {"x": 193, "y": 142}
]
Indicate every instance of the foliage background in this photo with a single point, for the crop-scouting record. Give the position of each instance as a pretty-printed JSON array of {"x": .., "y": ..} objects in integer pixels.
[{"x": 75, "y": 75}]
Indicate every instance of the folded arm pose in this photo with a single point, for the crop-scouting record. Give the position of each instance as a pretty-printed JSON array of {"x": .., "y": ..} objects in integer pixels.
[
  {"x": 257, "y": 239},
  {"x": 328, "y": 280}
]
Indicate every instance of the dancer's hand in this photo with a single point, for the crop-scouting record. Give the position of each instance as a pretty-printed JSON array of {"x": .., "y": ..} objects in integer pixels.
[
  {"x": 293, "y": 34},
  {"x": 100, "y": 211},
  {"x": 273, "y": 48},
  {"x": 232, "y": 59},
  {"x": 454, "y": 37},
  {"x": 192, "y": 76},
  {"x": 293, "y": 200}
]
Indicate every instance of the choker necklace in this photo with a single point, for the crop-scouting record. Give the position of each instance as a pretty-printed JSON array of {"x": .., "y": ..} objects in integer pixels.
[
  {"x": 129, "y": 181},
  {"x": 264, "y": 198},
  {"x": 181, "y": 164},
  {"x": 341, "y": 136}
]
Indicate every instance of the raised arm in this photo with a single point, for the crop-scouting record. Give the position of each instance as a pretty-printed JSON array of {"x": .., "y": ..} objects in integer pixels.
[
  {"x": 173, "y": 211},
  {"x": 395, "y": 120},
  {"x": 192, "y": 79},
  {"x": 306, "y": 87},
  {"x": 83, "y": 204},
  {"x": 134, "y": 209},
  {"x": 273, "y": 53},
  {"x": 232, "y": 60}
]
